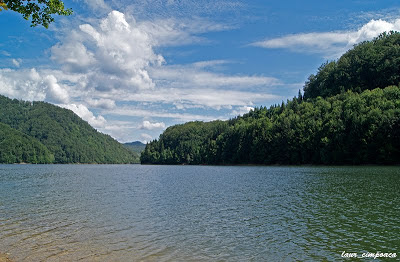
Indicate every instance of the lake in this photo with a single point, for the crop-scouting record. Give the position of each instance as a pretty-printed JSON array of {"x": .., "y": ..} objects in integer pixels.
[{"x": 197, "y": 213}]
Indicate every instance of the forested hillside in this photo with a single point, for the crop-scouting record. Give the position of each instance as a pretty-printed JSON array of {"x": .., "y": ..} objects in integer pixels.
[
  {"x": 343, "y": 118},
  {"x": 68, "y": 138}
]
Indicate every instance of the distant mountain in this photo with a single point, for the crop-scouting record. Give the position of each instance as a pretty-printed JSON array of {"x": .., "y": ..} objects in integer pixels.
[
  {"x": 136, "y": 146},
  {"x": 39, "y": 132}
]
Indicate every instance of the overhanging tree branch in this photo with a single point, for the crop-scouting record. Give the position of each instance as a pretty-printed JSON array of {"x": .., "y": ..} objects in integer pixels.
[{"x": 40, "y": 11}]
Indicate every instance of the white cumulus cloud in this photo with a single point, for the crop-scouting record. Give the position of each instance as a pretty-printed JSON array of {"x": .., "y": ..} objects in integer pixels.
[
  {"x": 55, "y": 93},
  {"x": 150, "y": 126},
  {"x": 30, "y": 84},
  {"x": 23, "y": 84},
  {"x": 330, "y": 44},
  {"x": 113, "y": 54},
  {"x": 74, "y": 56},
  {"x": 84, "y": 113}
]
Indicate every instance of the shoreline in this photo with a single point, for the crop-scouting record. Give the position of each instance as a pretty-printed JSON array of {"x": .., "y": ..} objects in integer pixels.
[
  {"x": 4, "y": 258},
  {"x": 222, "y": 165}
]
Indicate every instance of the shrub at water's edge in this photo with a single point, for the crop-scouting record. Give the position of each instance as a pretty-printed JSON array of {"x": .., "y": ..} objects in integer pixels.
[{"x": 67, "y": 137}]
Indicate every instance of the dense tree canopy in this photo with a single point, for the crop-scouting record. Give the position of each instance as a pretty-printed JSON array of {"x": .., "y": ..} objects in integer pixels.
[
  {"x": 368, "y": 65},
  {"x": 67, "y": 137},
  {"x": 17, "y": 147},
  {"x": 349, "y": 128},
  {"x": 191, "y": 143},
  {"x": 40, "y": 11}
]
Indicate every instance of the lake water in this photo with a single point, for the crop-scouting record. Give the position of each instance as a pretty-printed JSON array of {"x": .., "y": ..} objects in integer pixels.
[{"x": 197, "y": 213}]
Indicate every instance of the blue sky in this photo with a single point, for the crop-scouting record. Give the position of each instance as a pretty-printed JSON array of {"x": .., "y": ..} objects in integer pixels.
[{"x": 133, "y": 68}]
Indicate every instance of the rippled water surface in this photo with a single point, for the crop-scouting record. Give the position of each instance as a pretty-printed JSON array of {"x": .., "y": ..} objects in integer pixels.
[{"x": 197, "y": 213}]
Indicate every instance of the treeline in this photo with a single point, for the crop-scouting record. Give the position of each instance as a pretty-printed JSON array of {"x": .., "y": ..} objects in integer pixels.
[
  {"x": 344, "y": 117},
  {"x": 349, "y": 128},
  {"x": 38, "y": 132}
]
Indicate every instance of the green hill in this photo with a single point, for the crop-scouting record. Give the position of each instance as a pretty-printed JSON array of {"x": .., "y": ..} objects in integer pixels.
[
  {"x": 343, "y": 118},
  {"x": 66, "y": 136}
]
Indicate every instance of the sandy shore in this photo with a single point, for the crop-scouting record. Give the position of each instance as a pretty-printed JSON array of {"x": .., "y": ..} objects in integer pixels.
[{"x": 4, "y": 258}]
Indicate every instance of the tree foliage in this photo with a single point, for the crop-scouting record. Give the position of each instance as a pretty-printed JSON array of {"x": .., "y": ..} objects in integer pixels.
[
  {"x": 67, "y": 137},
  {"x": 191, "y": 143},
  {"x": 369, "y": 65},
  {"x": 40, "y": 11},
  {"x": 17, "y": 147}
]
